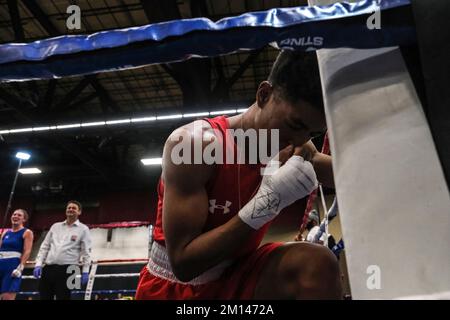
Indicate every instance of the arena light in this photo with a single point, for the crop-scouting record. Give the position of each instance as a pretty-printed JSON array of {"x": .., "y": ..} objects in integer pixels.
[
  {"x": 143, "y": 119},
  {"x": 23, "y": 155},
  {"x": 194, "y": 115},
  {"x": 151, "y": 161},
  {"x": 169, "y": 117},
  {"x": 21, "y": 130},
  {"x": 214, "y": 113},
  {"x": 68, "y": 126},
  {"x": 123, "y": 121},
  {"x": 43, "y": 128},
  {"x": 93, "y": 124},
  {"x": 112, "y": 122},
  {"x": 30, "y": 171}
]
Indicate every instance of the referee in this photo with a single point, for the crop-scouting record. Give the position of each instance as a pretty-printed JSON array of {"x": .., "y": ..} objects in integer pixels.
[{"x": 67, "y": 243}]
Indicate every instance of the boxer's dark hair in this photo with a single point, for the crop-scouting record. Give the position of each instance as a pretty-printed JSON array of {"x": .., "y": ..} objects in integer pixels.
[
  {"x": 295, "y": 76},
  {"x": 75, "y": 202}
]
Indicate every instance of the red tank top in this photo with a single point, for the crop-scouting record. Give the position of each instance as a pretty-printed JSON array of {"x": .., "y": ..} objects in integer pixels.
[{"x": 229, "y": 189}]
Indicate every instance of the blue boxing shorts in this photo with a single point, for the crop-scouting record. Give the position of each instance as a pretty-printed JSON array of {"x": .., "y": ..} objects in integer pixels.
[{"x": 9, "y": 283}]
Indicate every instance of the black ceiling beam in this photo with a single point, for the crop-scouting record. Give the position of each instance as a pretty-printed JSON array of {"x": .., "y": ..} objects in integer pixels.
[
  {"x": 15, "y": 19},
  {"x": 104, "y": 95},
  {"x": 15, "y": 103},
  {"x": 124, "y": 153},
  {"x": 199, "y": 8},
  {"x": 221, "y": 91},
  {"x": 132, "y": 137},
  {"x": 158, "y": 11},
  {"x": 81, "y": 102},
  {"x": 243, "y": 67},
  {"x": 50, "y": 28},
  {"x": 115, "y": 155},
  {"x": 106, "y": 171},
  {"x": 85, "y": 157},
  {"x": 51, "y": 170},
  {"x": 5, "y": 108},
  {"x": 72, "y": 148},
  {"x": 194, "y": 79},
  {"x": 121, "y": 115},
  {"x": 11, "y": 99},
  {"x": 34, "y": 93},
  {"x": 197, "y": 72},
  {"x": 127, "y": 13},
  {"x": 193, "y": 76},
  {"x": 73, "y": 93},
  {"x": 74, "y": 105},
  {"x": 169, "y": 69},
  {"x": 47, "y": 100},
  {"x": 41, "y": 17},
  {"x": 219, "y": 69}
]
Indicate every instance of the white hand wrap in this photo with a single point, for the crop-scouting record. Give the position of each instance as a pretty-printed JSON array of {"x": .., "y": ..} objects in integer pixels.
[
  {"x": 17, "y": 273},
  {"x": 294, "y": 180}
]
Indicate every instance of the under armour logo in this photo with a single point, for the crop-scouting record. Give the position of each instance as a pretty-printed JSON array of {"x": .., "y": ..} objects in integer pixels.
[{"x": 213, "y": 206}]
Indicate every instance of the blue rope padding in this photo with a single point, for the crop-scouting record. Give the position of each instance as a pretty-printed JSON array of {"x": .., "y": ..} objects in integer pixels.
[
  {"x": 33, "y": 293},
  {"x": 332, "y": 213},
  {"x": 299, "y": 28}
]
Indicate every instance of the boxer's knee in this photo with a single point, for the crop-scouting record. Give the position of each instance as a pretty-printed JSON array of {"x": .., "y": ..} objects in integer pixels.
[
  {"x": 318, "y": 275},
  {"x": 300, "y": 271}
]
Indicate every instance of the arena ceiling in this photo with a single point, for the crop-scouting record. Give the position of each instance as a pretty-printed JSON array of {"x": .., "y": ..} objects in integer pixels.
[{"x": 85, "y": 159}]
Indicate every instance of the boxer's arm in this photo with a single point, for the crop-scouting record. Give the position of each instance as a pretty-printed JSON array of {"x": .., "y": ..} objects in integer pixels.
[
  {"x": 321, "y": 162},
  {"x": 27, "y": 246},
  {"x": 85, "y": 251},
  {"x": 191, "y": 250},
  {"x": 324, "y": 169},
  {"x": 1, "y": 237}
]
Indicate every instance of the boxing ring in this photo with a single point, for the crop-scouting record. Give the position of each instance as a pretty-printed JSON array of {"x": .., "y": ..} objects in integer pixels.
[
  {"x": 109, "y": 273},
  {"x": 387, "y": 129},
  {"x": 89, "y": 292}
]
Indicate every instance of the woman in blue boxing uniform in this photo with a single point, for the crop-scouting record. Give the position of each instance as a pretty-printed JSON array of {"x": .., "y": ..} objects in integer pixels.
[{"x": 15, "y": 249}]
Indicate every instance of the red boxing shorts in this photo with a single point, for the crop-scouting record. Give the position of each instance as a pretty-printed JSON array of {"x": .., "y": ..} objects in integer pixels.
[{"x": 238, "y": 281}]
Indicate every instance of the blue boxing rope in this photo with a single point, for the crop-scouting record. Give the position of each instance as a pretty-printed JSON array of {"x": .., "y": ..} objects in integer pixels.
[
  {"x": 82, "y": 292},
  {"x": 331, "y": 214},
  {"x": 299, "y": 28},
  {"x": 338, "y": 248}
]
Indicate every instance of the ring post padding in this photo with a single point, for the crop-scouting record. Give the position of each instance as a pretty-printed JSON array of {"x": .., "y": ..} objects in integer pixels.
[
  {"x": 393, "y": 199},
  {"x": 90, "y": 284}
]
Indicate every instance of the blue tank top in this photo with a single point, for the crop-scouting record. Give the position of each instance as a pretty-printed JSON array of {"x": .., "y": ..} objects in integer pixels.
[{"x": 13, "y": 241}]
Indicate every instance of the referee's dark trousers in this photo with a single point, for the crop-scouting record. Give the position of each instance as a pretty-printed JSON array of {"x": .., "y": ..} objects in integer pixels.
[{"x": 53, "y": 282}]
